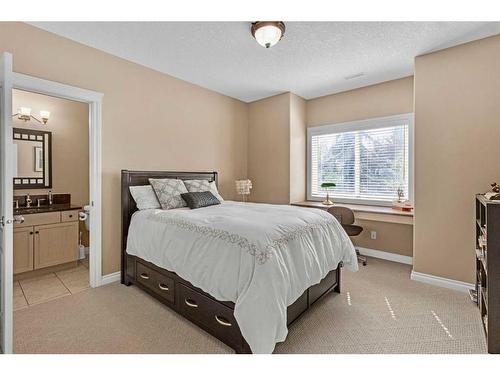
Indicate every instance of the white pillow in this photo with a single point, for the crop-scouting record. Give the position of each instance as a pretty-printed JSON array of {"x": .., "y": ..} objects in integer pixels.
[
  {"x": 198, "y": 186},
  {"x": 144, "y": 197},
  {"x": 168, "y": 191},
  {"x": 215, "y": 192}
]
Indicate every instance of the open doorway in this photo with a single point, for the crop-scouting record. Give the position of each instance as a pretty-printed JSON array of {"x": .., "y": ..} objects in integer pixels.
[
  {"x": 52, "y": 194},
  {"x": 10, "y": 81}
]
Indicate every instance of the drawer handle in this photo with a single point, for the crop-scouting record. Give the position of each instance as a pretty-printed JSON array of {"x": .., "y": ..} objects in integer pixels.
[
  {"x": 70, "y": 216},
  {"x": 191, "y": 303},
  {"x": 222, "y": 321},
  {"x": 144, "y": 276},
  {"x": 163, "y": 286}
]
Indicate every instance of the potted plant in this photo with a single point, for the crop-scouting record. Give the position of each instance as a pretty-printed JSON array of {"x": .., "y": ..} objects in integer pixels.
[{"x": 327, "y": 186}]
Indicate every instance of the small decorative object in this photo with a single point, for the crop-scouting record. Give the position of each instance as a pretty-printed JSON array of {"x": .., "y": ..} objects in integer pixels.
[
  {"x": 401, "y": 203},
  {"x": 327, "y": 186},
  {"x": 404, "y": 205},
  {"x": 401, "y": 194},
  {"x": 494, "y": 194},
  {"x": 243, "y": 188}
]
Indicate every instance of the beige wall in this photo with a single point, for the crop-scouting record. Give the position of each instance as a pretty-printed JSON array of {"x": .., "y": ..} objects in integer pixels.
[
  {"x": 269, "y": 149},
  {"x": 457, "y": 128},
  {"x": 391, "y": 237},
  {"x": 298, "y": 143},
  {"x": 150, "y": 120},
  {"x": 384, "y": 99},
  {"x": 277, "y": 149},
  {"x": 69, "y": 125}
]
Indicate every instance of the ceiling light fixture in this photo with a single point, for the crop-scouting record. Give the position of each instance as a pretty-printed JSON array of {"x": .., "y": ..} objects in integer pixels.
[{"x": 268, "y": 33}]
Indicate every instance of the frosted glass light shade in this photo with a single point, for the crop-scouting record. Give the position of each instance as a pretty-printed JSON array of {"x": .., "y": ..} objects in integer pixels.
[
  {"x": 24, "y": 111},
  {"x": 45, "y": 116},
  {"x": 268, "y": 33}
]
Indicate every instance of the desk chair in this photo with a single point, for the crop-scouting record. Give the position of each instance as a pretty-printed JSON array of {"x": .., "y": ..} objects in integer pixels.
[{"x": 345, "y": 216}]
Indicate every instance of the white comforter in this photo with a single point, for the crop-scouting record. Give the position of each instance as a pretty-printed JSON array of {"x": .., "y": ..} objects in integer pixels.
[{"x": 262, "y": 257}]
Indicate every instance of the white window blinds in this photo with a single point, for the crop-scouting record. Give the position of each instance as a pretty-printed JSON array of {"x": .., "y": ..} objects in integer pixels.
[{"x": 370, "y": 162}]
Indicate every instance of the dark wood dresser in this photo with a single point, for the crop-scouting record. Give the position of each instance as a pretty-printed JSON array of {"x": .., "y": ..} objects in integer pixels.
[{"x": 487, "y": 293}]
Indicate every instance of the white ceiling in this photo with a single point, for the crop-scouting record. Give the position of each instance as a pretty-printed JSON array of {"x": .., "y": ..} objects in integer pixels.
[{"x": 313, "y": 59}]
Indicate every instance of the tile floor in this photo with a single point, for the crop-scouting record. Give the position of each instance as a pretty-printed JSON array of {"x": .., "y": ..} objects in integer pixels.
[{"x": 54, "y": 285}]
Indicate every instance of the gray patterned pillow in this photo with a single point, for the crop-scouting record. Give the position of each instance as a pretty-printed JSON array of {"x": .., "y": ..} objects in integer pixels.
[
  {"x": 144, "y": 197},
  {"x": 195, "y": 186},
  {"x": 168, "y": 191},
  {"x": 200, "y": 199}
]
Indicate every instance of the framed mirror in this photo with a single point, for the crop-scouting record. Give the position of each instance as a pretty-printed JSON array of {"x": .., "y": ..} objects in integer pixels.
[{"x": 32, "y": 159}]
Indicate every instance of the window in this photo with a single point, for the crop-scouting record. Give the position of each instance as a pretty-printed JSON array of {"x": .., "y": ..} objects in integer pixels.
[{"x": 368, "y": 160}]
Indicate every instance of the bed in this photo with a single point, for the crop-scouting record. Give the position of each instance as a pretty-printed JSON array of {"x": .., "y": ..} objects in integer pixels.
[{"x": 243, "y": 272}]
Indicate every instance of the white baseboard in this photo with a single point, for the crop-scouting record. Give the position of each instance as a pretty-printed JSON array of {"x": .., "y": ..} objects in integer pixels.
[
  {"x": 441, "y": 281},
  {"x": 385, "y": 255},
  {"x": 110, "y": 278}
]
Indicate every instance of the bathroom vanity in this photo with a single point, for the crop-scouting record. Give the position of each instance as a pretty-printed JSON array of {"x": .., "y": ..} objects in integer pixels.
[{"x": 47, "y": 237}]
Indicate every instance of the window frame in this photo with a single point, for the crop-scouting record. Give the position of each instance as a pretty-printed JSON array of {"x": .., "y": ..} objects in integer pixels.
[{"x": 365, "y": 124}]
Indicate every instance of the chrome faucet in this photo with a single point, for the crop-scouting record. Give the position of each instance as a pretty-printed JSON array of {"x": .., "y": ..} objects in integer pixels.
[
  {"x": 50, "y": 197},
  {"x": 28, "y": 200}
]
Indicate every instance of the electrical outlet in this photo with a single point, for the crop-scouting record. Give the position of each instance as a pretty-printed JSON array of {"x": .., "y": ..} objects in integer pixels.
[{"x": 373, "y": 235}]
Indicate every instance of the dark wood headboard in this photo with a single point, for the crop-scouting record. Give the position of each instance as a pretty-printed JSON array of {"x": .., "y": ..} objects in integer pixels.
[{"x": 137, "y": 178}]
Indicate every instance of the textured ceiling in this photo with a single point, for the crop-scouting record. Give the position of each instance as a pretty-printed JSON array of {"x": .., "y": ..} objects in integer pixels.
[{"x": 313, "y": 59}]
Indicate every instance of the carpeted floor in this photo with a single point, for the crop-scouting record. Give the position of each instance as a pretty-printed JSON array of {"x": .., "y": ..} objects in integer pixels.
[{"x": 380, "y": 310}]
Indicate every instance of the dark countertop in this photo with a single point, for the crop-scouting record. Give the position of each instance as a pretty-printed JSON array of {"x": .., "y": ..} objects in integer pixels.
[{"x": 39, "y": 210}]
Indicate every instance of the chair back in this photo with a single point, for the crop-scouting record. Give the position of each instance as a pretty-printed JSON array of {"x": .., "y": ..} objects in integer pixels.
[{"x": 344, "y": 215}]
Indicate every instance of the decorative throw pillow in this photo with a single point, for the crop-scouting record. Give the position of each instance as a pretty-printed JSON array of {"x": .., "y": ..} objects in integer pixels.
[
  {"x": 168, "y": 191},
  {"x": 144, "y": 197},
  {"x": 194, "y": 186},
  {"x": 200, "y": 199}
]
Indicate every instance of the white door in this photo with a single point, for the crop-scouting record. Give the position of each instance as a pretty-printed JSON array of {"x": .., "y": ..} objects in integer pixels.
[{"x": 6, "y": 199}]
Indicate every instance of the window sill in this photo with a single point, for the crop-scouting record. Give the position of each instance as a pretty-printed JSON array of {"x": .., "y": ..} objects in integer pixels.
[{"x": 368, "y": 212}]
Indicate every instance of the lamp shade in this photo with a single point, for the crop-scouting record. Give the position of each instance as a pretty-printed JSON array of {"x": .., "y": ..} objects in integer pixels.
[{"x": 243, "y": 187}]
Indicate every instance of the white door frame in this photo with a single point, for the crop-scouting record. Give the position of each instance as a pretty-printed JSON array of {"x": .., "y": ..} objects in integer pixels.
[
  {"x": 94, "y": 100},
  {"x": 6, "y": 314}
]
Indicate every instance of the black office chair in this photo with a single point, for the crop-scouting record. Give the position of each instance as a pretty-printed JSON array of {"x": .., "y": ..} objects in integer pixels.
[{"x": 345, "y": 216}]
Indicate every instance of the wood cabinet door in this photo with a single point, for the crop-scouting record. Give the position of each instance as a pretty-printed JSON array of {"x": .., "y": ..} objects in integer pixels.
[
  {"x": 23, "y": 249},
  {"x": 55, "y": 244}
]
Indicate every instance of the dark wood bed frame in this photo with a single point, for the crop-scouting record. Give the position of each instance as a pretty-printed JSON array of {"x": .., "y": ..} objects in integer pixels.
[{"x": 215, "y": 317}]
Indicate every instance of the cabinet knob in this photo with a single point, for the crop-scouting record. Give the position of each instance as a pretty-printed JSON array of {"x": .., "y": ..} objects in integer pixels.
[
  {"x": 37, "y": 232},
  {"x": 31, "y": 233},
  {"x": 70, "y": 216}
]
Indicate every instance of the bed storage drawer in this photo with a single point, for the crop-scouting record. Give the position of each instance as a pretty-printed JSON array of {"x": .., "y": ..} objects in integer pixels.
[
  {"x": 155, "y": 281},
  {"x": 296, "y": 309},
  {"x": 316, "y": 291},
  {"x": 215, "y": 316}
]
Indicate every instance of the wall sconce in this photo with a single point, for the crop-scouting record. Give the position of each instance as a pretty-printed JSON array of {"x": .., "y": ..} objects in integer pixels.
[
  {"x": 24, "y": 113},
  {"x": 45, "y": 116}
]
